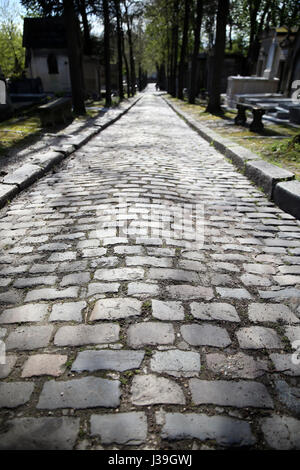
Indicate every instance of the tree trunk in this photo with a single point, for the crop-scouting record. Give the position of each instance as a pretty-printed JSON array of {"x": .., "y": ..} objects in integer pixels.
[
  {"x": 107, "y": 53},
  {"x": 131, "y": 56},
  {"x": 183, "y": 50},
  {"x": 126, "y": 65},
  {"x": 193, "y": 85},
  {"x": 75, "y": 56},
  {"x": 214, "y": 103},
  {"x": 87, "y": 44},
  {"x": 119, "y": 39},
  {"x": 175, "y": 31}
]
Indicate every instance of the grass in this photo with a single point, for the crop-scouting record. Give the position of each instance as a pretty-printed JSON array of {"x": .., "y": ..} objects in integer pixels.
[
  {"x": 18, "y": 130},
  {"x": 271, "y": 144}
]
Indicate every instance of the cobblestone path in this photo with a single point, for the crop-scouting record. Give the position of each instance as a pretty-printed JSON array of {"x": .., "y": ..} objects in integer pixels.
[{"x": 148, "y": 341}]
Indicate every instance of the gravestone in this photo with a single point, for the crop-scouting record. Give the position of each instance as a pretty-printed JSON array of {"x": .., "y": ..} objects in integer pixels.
[{"x": 6, "y": 109}]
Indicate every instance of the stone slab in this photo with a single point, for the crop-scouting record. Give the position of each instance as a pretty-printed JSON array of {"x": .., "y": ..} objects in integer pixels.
[
  {"x": 7, "y": 191},
  {"x": 226, "y": 431},
  {"x": 266, "y": 175},
  {"x": 40, "y": 434},
  {"x": 239, "y": 394},
  {"x": 123, "y": 428},
  {"x": 88, "y": 392},
  {"x": 109, "y": 360},
  {"x": 112, "y": 309},
  {"x": 24, "y": 175},
  {"x": 48, "y": 160},
  {"x": 287, "y": 196}
]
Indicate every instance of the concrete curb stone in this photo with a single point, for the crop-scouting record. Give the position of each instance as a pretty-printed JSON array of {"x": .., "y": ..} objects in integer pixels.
[
  {"x": 287, "y": 197},
  {"x": 266, "y": 175}
]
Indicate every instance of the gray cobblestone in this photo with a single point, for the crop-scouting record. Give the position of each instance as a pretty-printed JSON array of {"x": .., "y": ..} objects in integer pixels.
[
  {"x": 5, "y": 369},
  {"x": 283, "y": 363},
  {"x": 281, "y": 432},
  {"x": 13, "y": 394},
  {"x": 124, "y": 428},
  {"x": 177, "y": 363},
  {"x": 186, "y": 292},
  {"x": 86, "y": 334},
  {"x": 68, "y": 311},
  {"x": 239, "y": 394},
  {"x": 25, "y": 313},
  {"x": 51, "y": 294},
  {"x": 88, "y": 392},
  {"x": 205, "y": 335},
  {"x": 150, "y": 333},
  {"x": 150, "y": 390},
  {"x": 119, "y": 274},
  {"x": 233, "y": 293},
  {"x": 271, "y": 313},
  {"x": 40, "y": 434},
  {"x": 172, "y": 274},
  {"x": 111, "y": 360},
  {"x": 289, "y": 396},
  {"x": 112, "y": 309},
  {"x": 258, "y": 337},
  {"x": 236, "y": 365},
  {"x": 226, "y": 431},
  {"x": 214, "y": 311},
  {"x": 167, "y": 310},
  {"x": 142, "y": 289},
  {"x": 29, "y": 337},
  {"x": 75, "y": 279}
]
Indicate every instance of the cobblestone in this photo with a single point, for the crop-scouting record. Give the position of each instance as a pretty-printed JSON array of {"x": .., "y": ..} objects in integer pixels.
[
  {"x": 40, "y": 434},
  {"x": 68, "y": 311},
  {"x": 124, "y": 428},
  {"x": 111, "y": 360},
  {"x": 150, "y": 390},
  {"x": 176, "y": 363},
  {"x": 236, "y": 365},
  {"x": 281, "y": 432},
  {"x": 103, "y": 328},
  {"x": 205, "y": 335},
  {"x": 25, "y": 313},
  {"x": 13, "y": 394},
  {"x": 226, "y": 431},
  {"x": 215, "y": 311},
  {"x": 141, "y": 334},
  {"x": 167, "y": 310},
  {"x": 239, "y": 394},
  {"x": 112, "y": 309},
  {"x": 271, "y": 313},
  {"x": 257, "y": 337},
  {"x": 86, "y": 334},
  {"x": 29, "y": 337},
  {"x": 88, "y": 392}
]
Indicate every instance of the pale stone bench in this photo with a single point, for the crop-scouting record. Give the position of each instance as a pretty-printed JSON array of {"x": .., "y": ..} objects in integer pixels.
[{"x": 56, "y": 112}]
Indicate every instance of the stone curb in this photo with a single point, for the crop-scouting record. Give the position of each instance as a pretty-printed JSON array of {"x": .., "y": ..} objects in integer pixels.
[
  {"x": 13, "y": 183},
  {"x": 287, "y": 197},
  {"x": 278, "y": 184}
]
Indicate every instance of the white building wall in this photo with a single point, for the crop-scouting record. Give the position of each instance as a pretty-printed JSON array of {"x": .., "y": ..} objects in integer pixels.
[{"x": 53, "y": 83}]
